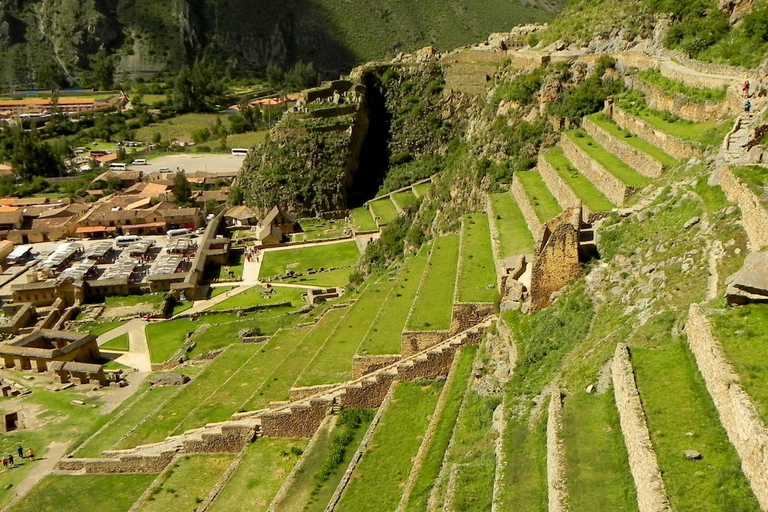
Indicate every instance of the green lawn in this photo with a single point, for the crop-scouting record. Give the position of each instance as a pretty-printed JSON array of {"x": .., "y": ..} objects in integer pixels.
[
  {"x": 383, "y": 210},
  {"x": 259, "y": 475},
  {"x": 421, "y": 189},
  {"x": 433, "y": 460},
  {"x": 308, "y": 493},
  {"x": 384, "y": 336},
  {"x": 177, "y": 127},
  {"x": 404, "y": 199},
  {"x": 343, "y": 254},
  {"x": 544, "y": 203},
  {"x": 741, "y": 331},
  {"x": 477, "y": 277},
  {"x": 676, "y": 402},
  {"x": 596, "y": 463},
  {"x": 259, "y": 296},
  {"x": 383, "y": 470},
  {"x": 65, "y": 493},
  {"x": 187, "y": 484},
  {"x": 333, "y": 362},
  {"x": 756, "y": 179},
  {"x": 120, "y": 343},
  {"x": 142, "y": 408},
  {"x": 606, "y": 123},
  {"x": 321, "y": 229},
  {"x": 611, "y": 162},
  {"x": 153, "y": 301},
  {"x": 165, "y": 338},
  {"x": 514, "y": 237},
  {"x": 362, "y": 220},
  {"x": 433, "y": 308},
  {"x": 584, "y": 189}
]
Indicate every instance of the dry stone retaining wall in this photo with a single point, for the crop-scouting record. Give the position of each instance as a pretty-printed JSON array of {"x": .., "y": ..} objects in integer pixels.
[
  {"x": 556, "y": 489},
  {"x": 607, "y": 183},
  {"x": 531, "y": 219},
  {"x": 300, "y": 393},
  {"x": 738, "y": 414},
  {"x": 469, "y": 314},
  {"x": 363, "y": 365},
  {"x": 754, "y": 216},
  {"x": 639, "y": 160},
  {"x": 413, "y": 342},
  {"x": 674, "y": 146},
  {"x": 651, "y": 493},
  {"x": 679, "y": 104},
  {"x": 557, "y": 185}
]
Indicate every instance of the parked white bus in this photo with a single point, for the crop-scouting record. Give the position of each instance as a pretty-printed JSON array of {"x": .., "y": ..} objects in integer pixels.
[
  {"x": 173, "y": 233},
  {"x": 118, "y": 167},
  {"x": 139, "y": 161},
  {"x": 239, "y": 152},
  {"x": 125, "y": 240}
]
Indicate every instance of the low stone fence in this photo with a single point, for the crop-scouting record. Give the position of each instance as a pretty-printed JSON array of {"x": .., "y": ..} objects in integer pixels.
[
  {"x": 616, "y": 191},
  {"x": 675, "y": 146},
  {"x": 639, "y": 160},
  {"x": 754, "y": 216},
  {"x": 127, "y": 463},
  {"x": 245, "y": 309},
  {"x": 535, "y": 226},
  {"x": 738, "y": 414},
  {"x": 651, "y": 493}
]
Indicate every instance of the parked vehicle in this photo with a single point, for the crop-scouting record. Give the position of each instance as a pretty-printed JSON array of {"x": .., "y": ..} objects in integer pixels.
[
  {"x": 139, "y": 161},
  {"x": 117, "y": 167},
  {"x": 175, "y": 233},
  {"x": 125, "y": 240}
]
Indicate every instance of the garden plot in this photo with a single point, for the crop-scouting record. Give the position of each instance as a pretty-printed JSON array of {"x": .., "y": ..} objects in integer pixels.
[
  {"x": 342, "y": 255},
  {"x": 544, "y": 203},
  {"x": 386, "y": 332},
  {"x": 514, "y": 237},
  {"x": 259, "y": 475},
  {"x": 377, "y": 483},
  {"x": 681, "y": 416},
  {"x": 433, "y": 308},
  {"x": 613, "y": 164},
  {"x": 584, "y": 189},
  {"x": 477, "y": 271},
  {"x": 333, "y": 362},
  {"x": 362, "y": 220},
  {"x": 383, "y": 210}
]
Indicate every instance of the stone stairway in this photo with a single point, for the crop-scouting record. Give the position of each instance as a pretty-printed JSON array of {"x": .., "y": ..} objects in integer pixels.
[{"x": 739, "y": 146}]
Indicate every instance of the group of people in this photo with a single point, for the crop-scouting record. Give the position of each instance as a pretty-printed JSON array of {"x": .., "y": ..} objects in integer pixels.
[
  {"x": 252, "y": 253},
  {"x": 745, "y": 92},
  {"x": 8, "y": 462}
]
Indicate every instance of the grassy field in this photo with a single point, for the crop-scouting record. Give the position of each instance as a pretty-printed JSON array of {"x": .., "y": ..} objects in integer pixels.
[
  {"x": 477, "y": 277},
  {"x": 584, "y": 189},
  {"x": 607, "y": 124},
  {"x": 178, "y": 127},
  {"x": 756, "y": 179},
  {"x": 596, "y": 463},
  {"x": 65, "y": 493},
  {"x": 120, "y": 343},
  {"x": 187, "y": 483},
  {"x": 333, "y": 363},
  {"x": 379, "y": 477},
  {"x": 142, "y": 408},
  {"x": 611, "y": 162},
  {"x": 320, "y": 229},
  {"x": 309, "y": 492},
  {"x": 362, "y": 220},
  {"x": 383, "y": 210},
  {"x": 343, "y": 254},
  {"x": 544, "y": 203},
  {"x": 421, "y": 189},
  {"x": 165, "y": 338},
  {"x": 433, "y": 308},
  {"x": 514, "y": 237},
  {"x": 404, "y": 199},
  {"x": 741, "y": 331},
  {"x": 259, "y": 475},
  {"x": 433, "y": 460},
  {"x": 384, "y": 337},
  {"x": 676, "y": 402},
  {"x": 259, "y": 296}
]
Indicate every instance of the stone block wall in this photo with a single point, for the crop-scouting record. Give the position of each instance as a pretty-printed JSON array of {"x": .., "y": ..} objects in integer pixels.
[
  {"x": 531, "y": 219},
  {"x": 557, "y": 262},
  {"x": 300, "y": 393},
  {"x": 754, "y": 217},
  {"x": 129, "y": 463},
  {"x": 300, "y": 420},
  {"x": 363, "y": 365},
  {"x": 651, "y": 493},
  {"x": 368, "y": 393},
  {"x": 556, "y": 489},
  {"x": 738, "y": 414},
  {"x": 413, "y": 342},
  {"x": 607, "y": 183},
  {"x": 557, "y": 185},
  {"x": 674, "y": 146},
  {"x": 231, "y": 439},
  {"x": 469, "y": 314},
  {"x": 639, "y": 160},
  {"x": 679, "y": 104}
]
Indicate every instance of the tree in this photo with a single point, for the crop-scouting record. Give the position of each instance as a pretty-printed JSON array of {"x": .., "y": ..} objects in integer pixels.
[
  {"x": 197, "y": 88},
  {"x": 181, "y": 188},
  {"x": 31, "y": 157},
  {"x": 102, "y": 74},
  {"x": 236, "y": 195}
]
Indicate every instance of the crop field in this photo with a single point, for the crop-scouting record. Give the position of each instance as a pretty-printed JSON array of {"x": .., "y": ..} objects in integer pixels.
[
  {"x": 542, "y": 200},
  {"x": 514, "y": 237},
  {"x": 378, "y": 478},
  {"x": 477, "y": 277},
  {"x": 384, "y": 336},
  {"x": 433, "y": 308},
  {"x": 584, "y": 189}
]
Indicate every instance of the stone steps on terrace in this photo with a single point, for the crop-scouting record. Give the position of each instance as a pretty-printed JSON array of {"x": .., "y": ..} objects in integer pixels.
[{"x": 736, "y": 150}]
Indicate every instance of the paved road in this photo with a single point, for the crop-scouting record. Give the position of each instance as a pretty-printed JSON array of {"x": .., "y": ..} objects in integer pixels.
[{"x": 192, "y": 163}]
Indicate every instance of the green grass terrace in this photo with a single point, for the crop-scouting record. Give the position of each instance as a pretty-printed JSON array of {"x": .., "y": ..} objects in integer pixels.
[
  {"x": 756, "y": 179},
  {"x": 404, "y": 199},
  {"x": 70, "y": 493},
  {"x": 611, "y": 162},
  {"x": 584, "y": 189},
  {"x": 300, "y": 259},
  {"x": 433, "y": 308},
  {"x": 606, "y": 123},
  {"x": 514, "y": 237},
  {"x": 383, "y": 210},
  {"x": 654, "y": 78},
  {"x": 544, "y": 203},
  {"x": 477, "y": 276},
  {"x": 362, "y": 220}
]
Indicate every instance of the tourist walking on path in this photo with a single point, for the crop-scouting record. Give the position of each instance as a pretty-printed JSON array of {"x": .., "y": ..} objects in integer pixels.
[
  {"x": 747, "y": 106},
  {"x": 10, "y": 459},
  {"x": 745, "y": 88},
  {"x": 31, "y": 454},
  {"x": 5, "y": 463},
  {"x": 20, "y": 451}
]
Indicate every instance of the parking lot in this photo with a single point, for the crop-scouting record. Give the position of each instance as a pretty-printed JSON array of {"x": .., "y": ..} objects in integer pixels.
[{"x": 215, "y": 163}]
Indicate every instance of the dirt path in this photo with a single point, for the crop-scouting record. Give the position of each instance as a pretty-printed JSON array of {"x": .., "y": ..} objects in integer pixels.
[{"x": 42, "y": 467}]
